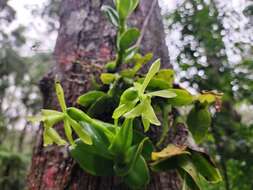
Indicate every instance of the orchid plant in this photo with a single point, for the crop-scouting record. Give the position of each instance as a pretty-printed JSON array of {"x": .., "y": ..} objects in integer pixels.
[{"x": 119, "y": 145}]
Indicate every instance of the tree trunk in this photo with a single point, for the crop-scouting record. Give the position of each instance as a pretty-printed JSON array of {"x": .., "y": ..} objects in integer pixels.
[{"x": 86, "y": 42}]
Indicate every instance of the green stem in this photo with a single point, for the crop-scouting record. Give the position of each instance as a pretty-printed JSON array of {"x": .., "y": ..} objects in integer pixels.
[{"x": 165, "y": 126}]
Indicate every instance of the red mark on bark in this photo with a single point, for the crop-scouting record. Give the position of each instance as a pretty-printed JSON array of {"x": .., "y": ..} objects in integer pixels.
[
  {"x": 49, "y": 177},
  {"x": 104, "y": 52}
]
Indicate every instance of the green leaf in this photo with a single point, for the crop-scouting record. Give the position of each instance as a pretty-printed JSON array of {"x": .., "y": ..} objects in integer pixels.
[
  {"x": 110, "y": 66},
  {"x": 129, "y": 54},
  {"x": 60, "y": 96},
  {"x": 123, "y": 138},
  {"x": 124, "y": 8},
  {"x": 151, "y": 73},
  {"x": 132, "y": 155},
  {"x": 157, "y": 84},
  {"x": 85, "y": 155},
  {"x": 134, "y": 4},
  {"x": 129, "y": 95},
  {"x": 139, "y": 176},
  {"x": 107, "y": 78},
  {"x": 128, "y": 38},
  {"x": 193, "y": 180},
  {"x": 139, "y": 61},
  {"x": 206, "y": 168},
  {"x": 183, "y": 98},
  {"x": 198, "y": 121},
  {"x": 104, "y": 105},
  {"x": 148, "y": 146},
  {"x": 163, "y": 94},
  {"x": 79, "y": 130},
  {"x": 111, "y": 14},
  {"x": 90, "y": 97},
  {"x": 78, "y": 115},
  {"x": 100, "y": 142},
  {"x": 188, "y": 180}
]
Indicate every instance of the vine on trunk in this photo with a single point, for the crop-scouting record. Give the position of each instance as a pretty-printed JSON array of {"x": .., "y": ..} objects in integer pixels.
[{"x": 108, "y": 125}]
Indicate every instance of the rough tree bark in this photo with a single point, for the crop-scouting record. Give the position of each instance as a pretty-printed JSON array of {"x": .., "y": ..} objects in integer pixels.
[{"x": 86, "y": 42}]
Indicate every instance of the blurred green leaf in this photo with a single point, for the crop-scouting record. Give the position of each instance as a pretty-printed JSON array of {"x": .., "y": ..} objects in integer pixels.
[
  {"x": 111, "y": 14},
  {"x": 198, "y": 121},
  {"x": 90, "y": 97}
]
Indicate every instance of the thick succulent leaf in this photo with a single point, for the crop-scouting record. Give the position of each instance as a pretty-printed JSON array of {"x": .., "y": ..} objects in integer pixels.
[
  {"x": 123, "y": 138},
  {"x": 205, "y": 167},
  {"x": 80, "y": 131},
  {"x": 170, "y": 151},
  {"x": 78, "y": 115},
  {"x": 128, "y": 38},
  {"x": 198, "y": 121},
  {"x": 90, "y": 97},
  {"x": 104, "y": 105},
  {"x": 60, "y": 96},
  {"x": 109, "y": 126},
  {"x": 131, "y": 157},
  {"x": 85, "y": 155},
  {"x": 129, "y": 95},
  {"x": 111, "y": 14},
  {"x": 124, "y": 8},
  {"x": 99, "y": 140},
  {"x": 108, "y": 78},
  {"x": 139, "y": 176},
  {"x": 151, "y": 73},
  {"x": 183, "y": 98},
  {"x": 163, "y": 94}
]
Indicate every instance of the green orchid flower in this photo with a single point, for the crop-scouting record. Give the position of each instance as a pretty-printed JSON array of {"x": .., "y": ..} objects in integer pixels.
[{"x": 134, "y": 102}]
